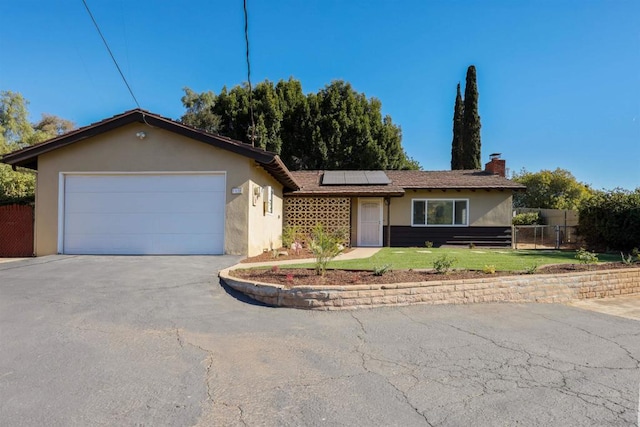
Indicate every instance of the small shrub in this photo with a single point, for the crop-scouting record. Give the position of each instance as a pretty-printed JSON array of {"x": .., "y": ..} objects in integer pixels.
[
  {"x": 586, "y": 257},
  {"x": 443, "y": 263},
  {"x": 290, "y": 278},
  {"x": 531, "y": 269},
  {"x": 489, "y": 269},
  {"x": 275, "y": 269},
  {"x": 428, "y": 244},
  {"x": 380, "y": 271},
  {"x": 472, "y": 245},
  {"x": 291, "y": 235},
  {"x": 629, "y": 259},
  {"x": 325, "y": 246}
]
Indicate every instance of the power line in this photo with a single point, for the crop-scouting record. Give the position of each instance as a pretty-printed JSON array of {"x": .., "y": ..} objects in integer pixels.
[
  {"x": 246, "y": 38},
  {"x": 114, "y": 58}
]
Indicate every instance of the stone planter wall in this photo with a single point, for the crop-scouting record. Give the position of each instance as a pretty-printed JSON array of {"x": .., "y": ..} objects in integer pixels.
[{"x": 523, "y": 288}]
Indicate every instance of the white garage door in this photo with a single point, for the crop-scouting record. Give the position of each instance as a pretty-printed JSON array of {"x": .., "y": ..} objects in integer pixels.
[{"x": 143, "y": 214}]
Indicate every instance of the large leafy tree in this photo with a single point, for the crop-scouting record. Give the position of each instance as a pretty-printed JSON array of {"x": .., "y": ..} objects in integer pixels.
[
  {"x": 557, "y": 189},
  {"x": 199, "y": 112},
  {"x": 335, "y": 128},
  {"x": 17, "y": 132},
  {"x": 456, "y": 144},
  {"x": 471, "y": 123}
]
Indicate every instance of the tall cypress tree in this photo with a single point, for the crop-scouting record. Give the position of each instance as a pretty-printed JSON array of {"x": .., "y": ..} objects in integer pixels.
[
  {"x": 456, "y": 144},
  {"x": 471, "y": 123}
]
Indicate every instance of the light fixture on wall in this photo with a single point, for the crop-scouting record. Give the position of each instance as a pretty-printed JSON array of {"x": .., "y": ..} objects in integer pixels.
[
  {"x": 257, "y": 193},
  {"x": 141, "y": 135}
]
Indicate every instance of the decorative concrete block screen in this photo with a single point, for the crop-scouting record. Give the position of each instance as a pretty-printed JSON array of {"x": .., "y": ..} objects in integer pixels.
[
  {"x": 16, "y": 231},
  {"x": 334, "y": 213}
]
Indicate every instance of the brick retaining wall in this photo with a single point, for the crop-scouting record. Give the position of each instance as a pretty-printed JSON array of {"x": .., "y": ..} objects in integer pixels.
[{"x": 522, "y": 288}]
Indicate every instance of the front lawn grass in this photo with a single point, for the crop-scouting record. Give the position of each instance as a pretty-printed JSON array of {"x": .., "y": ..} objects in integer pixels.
[{"x": 468, "y": 259}]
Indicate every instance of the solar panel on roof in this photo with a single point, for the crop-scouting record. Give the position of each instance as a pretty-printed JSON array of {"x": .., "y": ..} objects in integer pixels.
[
  {"x": 377, "y": 177},
  {"x": 333, "y": 178},
  {"x": 355, "y": 178}
]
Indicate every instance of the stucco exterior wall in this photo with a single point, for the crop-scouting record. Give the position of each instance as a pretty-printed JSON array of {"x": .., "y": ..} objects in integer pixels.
[
  {"x": 486, "y": 208},
  {"x": 265, "y": 229},
  {"x": 121, "y": 151}
]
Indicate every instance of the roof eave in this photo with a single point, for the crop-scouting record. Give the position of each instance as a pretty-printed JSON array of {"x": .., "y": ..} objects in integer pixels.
[
  {"x": 279, "y": 171},
  {"x": 460, "y": 188}
]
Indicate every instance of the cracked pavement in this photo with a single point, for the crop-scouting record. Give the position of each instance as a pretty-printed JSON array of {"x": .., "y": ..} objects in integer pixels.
[{"x": 157, "y": 341}]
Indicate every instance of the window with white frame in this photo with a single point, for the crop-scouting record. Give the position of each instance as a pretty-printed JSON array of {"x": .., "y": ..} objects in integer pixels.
[{"x": 434, "y": 212}]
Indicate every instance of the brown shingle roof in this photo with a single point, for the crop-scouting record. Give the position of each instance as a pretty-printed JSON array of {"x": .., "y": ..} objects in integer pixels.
[
  {"x": 28, "y": 157},
  {"x": 455, "y": 180},
  {"x": 310, "y": 183}
]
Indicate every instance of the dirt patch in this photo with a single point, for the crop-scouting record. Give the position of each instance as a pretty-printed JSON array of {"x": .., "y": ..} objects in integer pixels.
[
  {"x": 292, "y": 277},
  {"x": 290, "y": 255}
]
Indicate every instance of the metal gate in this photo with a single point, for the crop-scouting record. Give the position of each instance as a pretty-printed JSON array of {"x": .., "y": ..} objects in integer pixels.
[{"x": 545, "y": 237}]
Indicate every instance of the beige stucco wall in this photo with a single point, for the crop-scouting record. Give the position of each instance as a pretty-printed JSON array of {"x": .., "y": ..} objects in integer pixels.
[
  {"x": 120, "y": 150},
  {"x": 486, "y": 208},
  {"x": 265, "y": 229}
]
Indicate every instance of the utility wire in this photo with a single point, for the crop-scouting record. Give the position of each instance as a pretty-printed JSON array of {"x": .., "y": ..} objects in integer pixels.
[
  {"x": 246, "y": 38},
  {"x": 114, "y": 59}
]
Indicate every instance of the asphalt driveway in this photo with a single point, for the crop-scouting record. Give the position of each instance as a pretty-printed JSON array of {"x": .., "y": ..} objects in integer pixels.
[{"x": 157, "y": 341}]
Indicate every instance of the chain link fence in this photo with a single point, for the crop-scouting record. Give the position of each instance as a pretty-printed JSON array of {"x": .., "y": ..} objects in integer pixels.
[{"x": 546, "y": 237}]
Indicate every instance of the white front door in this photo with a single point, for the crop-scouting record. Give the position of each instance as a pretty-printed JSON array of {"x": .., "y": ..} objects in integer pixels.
[{"x": 370, "y": 222}]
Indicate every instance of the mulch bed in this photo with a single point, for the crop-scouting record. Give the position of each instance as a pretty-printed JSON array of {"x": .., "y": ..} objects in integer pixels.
[
  {"x": 268, "y": 256},
  {"x": 307, "y": 277}
]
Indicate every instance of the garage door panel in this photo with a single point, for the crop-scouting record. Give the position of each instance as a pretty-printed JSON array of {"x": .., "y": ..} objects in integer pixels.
[
  {"x": 93, "y": 223},
  {"x": 144, "y": 214},
  {"x": 170, "y": 202},
  {"x": 141, "y": 183},
  {"x": 109, "y": 244}
]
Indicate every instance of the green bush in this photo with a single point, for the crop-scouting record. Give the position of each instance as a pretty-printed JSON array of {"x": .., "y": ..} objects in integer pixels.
[
  {"x": 527, "y": 218},
  {"x": 291, "y": 234},
  {"x": 489, "y": 269},
  {"x": 531, "y": 269},
  {"x": 325, "y": 246},
  {"x": 380, "y": 271},
  {"x": 611, "y": 220},
  {"x": 628, "y": 260},
  {"x": 443, "y": 263},
  {"x": 586, "y": 257},
  {"x": 16, "y": 187}
]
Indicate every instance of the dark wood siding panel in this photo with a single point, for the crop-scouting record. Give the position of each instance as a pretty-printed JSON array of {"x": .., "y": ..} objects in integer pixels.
[{"x": 406, "y": 236}]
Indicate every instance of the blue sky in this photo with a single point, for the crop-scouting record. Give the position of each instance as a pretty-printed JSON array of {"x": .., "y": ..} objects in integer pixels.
[{"x": 559, "y": 80}]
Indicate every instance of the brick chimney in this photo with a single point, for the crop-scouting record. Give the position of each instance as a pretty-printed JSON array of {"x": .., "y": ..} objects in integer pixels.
[{"x": 496, "y": 166}]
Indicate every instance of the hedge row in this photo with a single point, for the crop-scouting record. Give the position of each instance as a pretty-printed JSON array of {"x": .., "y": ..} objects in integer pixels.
[{"x": 611, "y": 220}]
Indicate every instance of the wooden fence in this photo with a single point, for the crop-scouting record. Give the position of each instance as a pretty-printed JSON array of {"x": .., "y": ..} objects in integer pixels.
[{"x": 16, "y": 231}]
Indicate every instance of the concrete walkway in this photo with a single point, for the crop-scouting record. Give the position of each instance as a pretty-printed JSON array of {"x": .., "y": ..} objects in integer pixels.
[
  {"x": 10, "y": 259},
  {"x": 355, "y": 253},
  {"x": 627, "y": 306}
]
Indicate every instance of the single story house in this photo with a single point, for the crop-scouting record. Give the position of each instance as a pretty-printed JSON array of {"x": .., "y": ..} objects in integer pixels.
[{"x": 140, "y": 183}]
